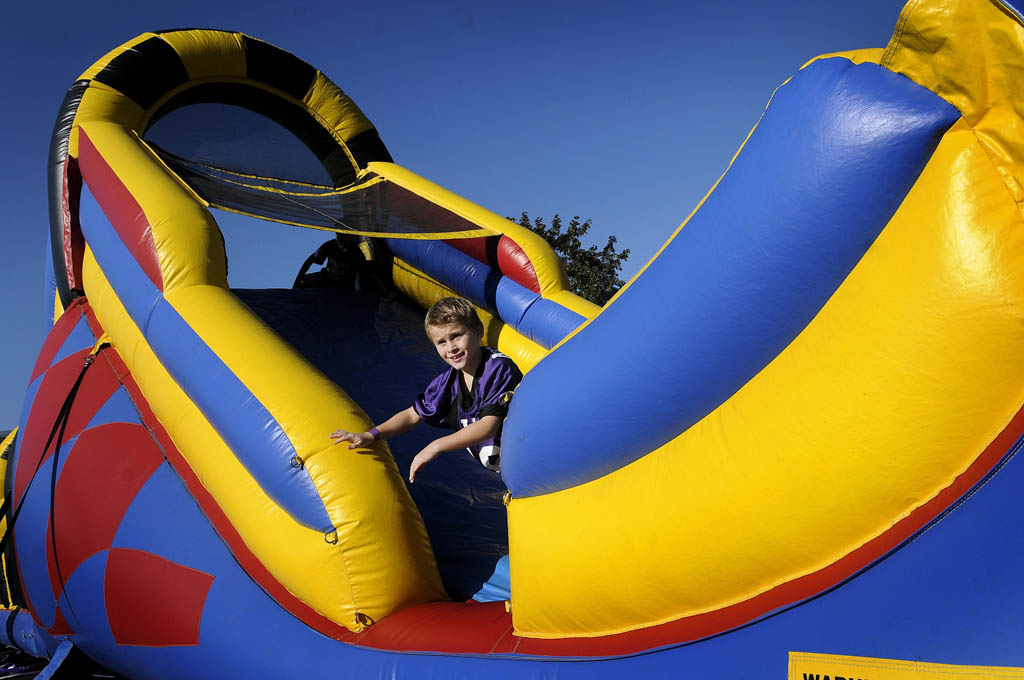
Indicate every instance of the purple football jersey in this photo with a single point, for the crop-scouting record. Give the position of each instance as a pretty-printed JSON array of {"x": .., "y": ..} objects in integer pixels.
[{"x": 446, "y": 403}]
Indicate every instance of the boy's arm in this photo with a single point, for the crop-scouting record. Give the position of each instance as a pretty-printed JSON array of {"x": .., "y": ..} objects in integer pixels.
[
  {"x": 403, "y": 421},
  {"x": 474, "y": 433}
]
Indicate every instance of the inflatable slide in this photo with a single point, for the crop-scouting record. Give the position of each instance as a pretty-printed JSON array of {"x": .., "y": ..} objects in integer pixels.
[{"x": 788, "y": 445}]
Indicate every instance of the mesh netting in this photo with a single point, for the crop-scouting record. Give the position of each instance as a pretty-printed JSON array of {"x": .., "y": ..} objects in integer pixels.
[
  {"x": 261, "y": 158},
  {"x": 372, "y": 206}
]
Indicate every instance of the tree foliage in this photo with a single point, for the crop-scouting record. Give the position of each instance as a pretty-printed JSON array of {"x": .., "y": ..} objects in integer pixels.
[{"x": 593, "y": 272}]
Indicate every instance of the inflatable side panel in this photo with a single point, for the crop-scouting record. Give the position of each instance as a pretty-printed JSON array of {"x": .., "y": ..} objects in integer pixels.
[
  {"x": 158, "y": 285},
  {"x": 904, "y": 384}
]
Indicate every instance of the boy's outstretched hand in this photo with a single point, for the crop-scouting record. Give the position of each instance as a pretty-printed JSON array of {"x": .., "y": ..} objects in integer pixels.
[
  {"x": 429, "y": 453},
  {"x": 357, "y": 439}
]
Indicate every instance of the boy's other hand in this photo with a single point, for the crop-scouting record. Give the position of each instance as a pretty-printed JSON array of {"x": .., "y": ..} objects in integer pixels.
[
  {"x": 428, "y": 454},
  {"x": 357, "y": 439}
]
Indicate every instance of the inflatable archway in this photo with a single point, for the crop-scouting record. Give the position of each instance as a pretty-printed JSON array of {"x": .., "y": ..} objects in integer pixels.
[{"x": 788, "y": 442}]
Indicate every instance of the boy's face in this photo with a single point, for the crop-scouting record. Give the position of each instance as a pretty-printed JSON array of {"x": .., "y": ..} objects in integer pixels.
[{"x": 458, "y": 345}]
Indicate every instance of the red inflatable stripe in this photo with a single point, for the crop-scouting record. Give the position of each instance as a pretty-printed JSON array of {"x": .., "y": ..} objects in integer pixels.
[{"x": 120, "y": 207}]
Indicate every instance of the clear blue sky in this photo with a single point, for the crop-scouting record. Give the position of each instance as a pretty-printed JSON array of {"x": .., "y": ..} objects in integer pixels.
[{"x": 625, "y": 113}]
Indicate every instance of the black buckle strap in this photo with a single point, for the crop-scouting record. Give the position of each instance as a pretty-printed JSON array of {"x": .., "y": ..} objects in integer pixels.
[{"x": 57, "y": 431}]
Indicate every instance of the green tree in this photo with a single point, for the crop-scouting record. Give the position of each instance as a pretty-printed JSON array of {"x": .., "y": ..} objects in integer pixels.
[{"x": 593, "y": 273}]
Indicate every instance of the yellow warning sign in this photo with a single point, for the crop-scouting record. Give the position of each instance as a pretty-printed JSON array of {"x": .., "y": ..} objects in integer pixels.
[{"x": 806, "y": 666}]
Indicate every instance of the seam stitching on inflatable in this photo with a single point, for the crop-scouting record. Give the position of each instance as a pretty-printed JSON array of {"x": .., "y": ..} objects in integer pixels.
[{"x": 897, "y": 36}]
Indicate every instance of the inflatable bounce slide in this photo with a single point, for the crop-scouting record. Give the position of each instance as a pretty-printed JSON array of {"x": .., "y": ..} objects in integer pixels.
[{"x": 788, "y": 445}]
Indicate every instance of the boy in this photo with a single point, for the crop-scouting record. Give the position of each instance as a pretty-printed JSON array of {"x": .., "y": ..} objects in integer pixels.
[{"x": 471, "y": 397}]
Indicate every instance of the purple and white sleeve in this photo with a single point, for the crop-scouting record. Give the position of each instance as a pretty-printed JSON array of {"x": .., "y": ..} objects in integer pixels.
[{"x": 433, "y": 403}]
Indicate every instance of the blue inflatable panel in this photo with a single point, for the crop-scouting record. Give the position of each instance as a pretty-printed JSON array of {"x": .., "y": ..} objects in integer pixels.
[
  {"x": 33, "y": 537},
  {"x": 117, "y": 409},
  {"x": 30, "y": 397},
  {"x": 83, "y": 604},
  {"x": 247, "y": 427},
  {"x": 544, "y": 321},
  {"x": 745, "y": 275},
  {"x": 80, "y": 338},
  {"x": 465, "y": 275},
  {"x": 25, "y": 634},
  {"x": 498, "y": 587},
  {"x": 143, "y": 527}
]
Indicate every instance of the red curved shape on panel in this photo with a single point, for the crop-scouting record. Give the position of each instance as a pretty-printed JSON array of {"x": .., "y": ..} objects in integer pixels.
[
  {"x": 60, "y": 625},
  {"x": 96, "y": 388},
  {"x": 55, "y": 339},
  {"x": 501, "y": 253},
  {"x": 138, "y": 583},
  {"x": 104, "y": 471},
  {"x": 515, "y": 264}
]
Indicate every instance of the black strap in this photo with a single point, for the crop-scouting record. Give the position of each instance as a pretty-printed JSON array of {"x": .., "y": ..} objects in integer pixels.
[
  {"x": 53, "y": 483},
  {"x": 4, "y": 507},
  {"x": 58, "y": 431}
]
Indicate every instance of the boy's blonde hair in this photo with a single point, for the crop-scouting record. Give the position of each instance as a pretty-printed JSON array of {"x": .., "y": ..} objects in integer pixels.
[{"x": 451, "y": 310}]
